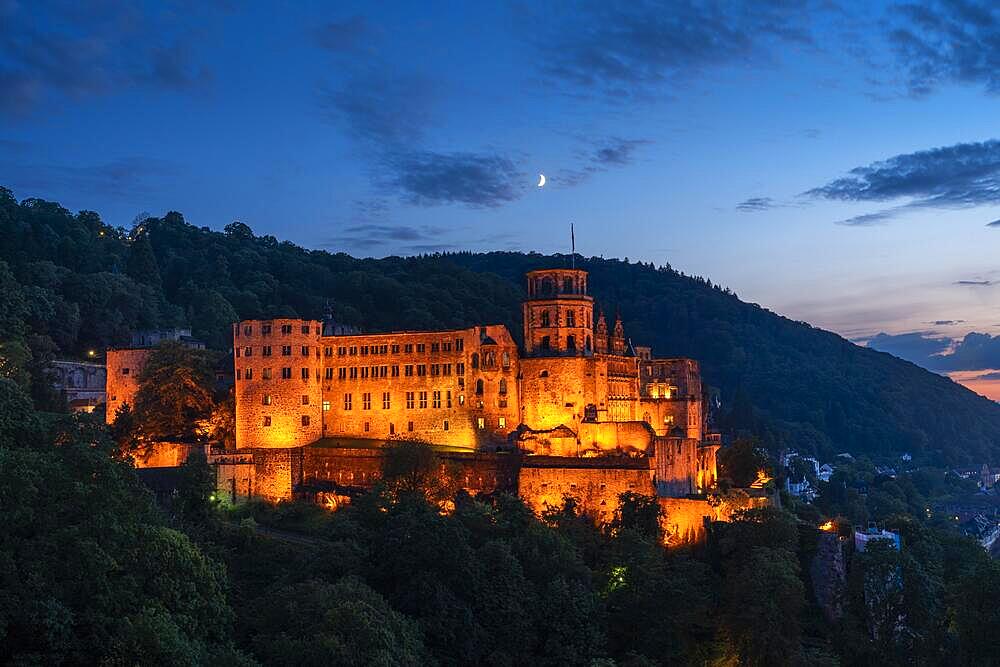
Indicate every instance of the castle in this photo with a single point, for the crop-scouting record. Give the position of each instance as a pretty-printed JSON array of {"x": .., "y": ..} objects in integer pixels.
[{"x": 576, "y": 411}]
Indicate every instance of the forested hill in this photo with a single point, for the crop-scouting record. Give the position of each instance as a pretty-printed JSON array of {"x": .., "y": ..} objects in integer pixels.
[{"x": 69, "y": 283}]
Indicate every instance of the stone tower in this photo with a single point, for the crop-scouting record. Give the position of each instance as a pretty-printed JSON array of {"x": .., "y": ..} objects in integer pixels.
[{"x": 558, "y": 314}]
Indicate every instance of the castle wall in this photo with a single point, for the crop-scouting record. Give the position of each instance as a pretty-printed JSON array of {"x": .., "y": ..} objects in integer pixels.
[
  {"x": 544, "y": 482},
  {"x": 279, "y": 399},
  {"x": 122, "y": 383},
  {"x": 676, "y": 465},
  {"x": 277, "y": 472},
  {"x": 555, "y": 391},
  {"x": 454, "y": 388},
  {"x": 163, "y": 455}
]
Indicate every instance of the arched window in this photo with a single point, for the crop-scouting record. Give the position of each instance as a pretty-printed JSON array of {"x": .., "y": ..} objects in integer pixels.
[
  {"x": 475, "y": 360},
  {"x": 479, "y": 387},
  {"x": 570, "y": 342},
  {"x": 505, "y": 359},
  {"x": 543, "y": 374},
  {"x": 503, "y": 386},
  {"x": 545, "y": 318}
]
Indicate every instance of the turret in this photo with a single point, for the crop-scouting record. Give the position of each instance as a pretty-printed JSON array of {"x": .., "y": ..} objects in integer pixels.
[{"x": 558, "y": 314}]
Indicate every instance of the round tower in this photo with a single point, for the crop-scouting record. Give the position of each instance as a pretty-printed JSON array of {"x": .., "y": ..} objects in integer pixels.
[
  {"x": 279, "y": 398},
  {"x": 558, "y": 314}
]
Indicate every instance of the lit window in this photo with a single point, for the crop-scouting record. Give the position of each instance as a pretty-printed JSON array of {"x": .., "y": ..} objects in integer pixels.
[
  {"x": 326, "y": 406},
  {"x": 366, "y": 401},
  {"x": 347, "y": 401},
  {"x": 409, "y": 400},
  {"x": 481, "y": 423},
  {"x": 503, "y": 422},
  {"x": 386, "y": 402},
  {"x": 436, "y": 399}
]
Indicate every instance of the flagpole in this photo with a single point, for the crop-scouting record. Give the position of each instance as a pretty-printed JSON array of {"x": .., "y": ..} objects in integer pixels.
[{"x": 572, "y": 242}]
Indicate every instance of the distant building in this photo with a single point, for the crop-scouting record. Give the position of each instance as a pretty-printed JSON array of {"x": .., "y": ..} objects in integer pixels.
[
  {"x": 153, "y": 337},
  {"x": 864, "y": 537},
  {"x": 81, "y": 382}
]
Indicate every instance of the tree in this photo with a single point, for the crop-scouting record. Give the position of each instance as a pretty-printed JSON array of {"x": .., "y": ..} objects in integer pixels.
[
  {"x": 411, "y": 468},
  {"x": 142, "y": 266},
  {"x": 18, "y": 425},
  {"x": 175, "y": 396},
  {"x": 740, "y": 461},
  {"x": 196, "y": 488},
  {"x": 639, "y": 513}
]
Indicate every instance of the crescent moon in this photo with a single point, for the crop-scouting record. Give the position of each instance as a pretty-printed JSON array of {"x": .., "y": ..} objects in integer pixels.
[{"x": 541, "y": 180}]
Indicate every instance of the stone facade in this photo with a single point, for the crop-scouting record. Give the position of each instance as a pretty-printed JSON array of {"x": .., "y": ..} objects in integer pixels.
[
  {"x": 81, "y": 383},
  {"x": 123, "y": 369}
]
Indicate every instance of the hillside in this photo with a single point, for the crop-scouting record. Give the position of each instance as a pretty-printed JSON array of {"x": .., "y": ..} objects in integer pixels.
[{"x": 70, "y": 283}]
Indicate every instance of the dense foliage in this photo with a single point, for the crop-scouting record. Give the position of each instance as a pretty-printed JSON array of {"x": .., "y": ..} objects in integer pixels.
[{"x": 69, "y": 284}]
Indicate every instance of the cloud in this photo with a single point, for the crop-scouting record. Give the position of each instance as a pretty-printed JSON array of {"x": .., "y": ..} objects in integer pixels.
[
  {"x": 343, "y": 36},
  {"x": 600, "y": 156},
  {"x": 427, "y": 178},
  {"x": 989, "y": 376},
  {"x": 940, "y": 43},
  {"x": 383, "y": 109},
  {"x": 125, "y": 177},
  {"x": 975, "y": 283},
  {"x": 995, "y": 223},
  {"x": 958, "y": 176},
  {"x": 946, "y": 323},
  {"x": 636, "y": 49},
  {"x": 917, "y": 347},
  {"x": 54, "y": 51},
  {"x": 756, "y": 204},
  {"x": 976, "y": 351},
  {"x": 382, "y": 236}
]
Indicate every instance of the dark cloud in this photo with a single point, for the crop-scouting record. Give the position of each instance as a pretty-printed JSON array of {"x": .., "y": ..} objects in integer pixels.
[
  {"x": 756, "y": 205},
  {"x": 974, "y": 283},
  {"x": 976, "y": 351},
  {"x": 939, "y": 43},
  {"x": 125, "y": 177},
  {"x": 957, "y": 176},
  {"x": 343, "y": 36},
  {"x": 995, "y": 223},
  {"x": 390, "y": 111},
  {"x": 869, "y": 219},
  {"x": 628, "y": 50},
  {"x": 598, "y": 157},
  {"x": 71, "y": 50},
  {"x": 946, "y": 323},
  {"x": 917, "y": 347},
  {"x": 385, "y": 236},
  {"x": 427, "y": 178}
]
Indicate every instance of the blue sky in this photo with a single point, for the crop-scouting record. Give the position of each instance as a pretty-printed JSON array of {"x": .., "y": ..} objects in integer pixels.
[{"x": 836, "y": 162}]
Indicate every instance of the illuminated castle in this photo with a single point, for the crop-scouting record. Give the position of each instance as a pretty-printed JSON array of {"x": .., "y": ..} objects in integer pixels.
[{"x": 578, "y": 397}]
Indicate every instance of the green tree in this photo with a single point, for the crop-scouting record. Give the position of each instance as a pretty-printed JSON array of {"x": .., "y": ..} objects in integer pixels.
[
  {"x": 196, "y": 488},
  {"x": 639, "y": 513},
  {"x": 142, "y": 265},
  {"x": 412, "y": 468},
  {"x": 740, "y": 461},
  {"x": 175, "y": 397}
]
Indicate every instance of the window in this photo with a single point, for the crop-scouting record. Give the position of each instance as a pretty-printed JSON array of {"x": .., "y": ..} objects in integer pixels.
[
  {"x": 238, "y": 375},
  {"x": 448, "y": 398},
  {"x": 423, "y": 399},
  {"x": 341, "y": 351},
  {"x": 459, "y": 345},
  {"x": 459, "y": 369},
  {"x": 364, "y": 371},
  {"x": 395, "y": 371},
  {"x": 305, "y": 328},
  {"x": 265, "y": 399},
  {"x": 341, "y": 373},
  {"x": 505, "y": 359},
  {"x": 266, "y": 373},
  {"x": 446, "y": 424},
  {"x": 247, "y": 331},
  {"x": 305, "y": 420},
  {"x": 545, "y": 318},
  {"x": 267, "y": 421},
  {"x": 446, "y": 346},
  {"x": 383, "y": 371},
  {"x": 305, "y": 373},
  {"x": 286, "y": 328},
  {"x": 436, "y": 399},
  {"x": 392, "y": 428},
  {"x": 326, "y": 406},
  {"x": 265, "y": 329},
  {"x": 354, "y": 350},
  {"x": 435, "y": 347},
  {"x": 570, "y": 318},
  {"x": 266, "y": 350},
  {"x": 125, "y": 371},
  {"x": 286, "y": 350},
  {"x": 366, "y": 401},
  {"x": 247, "y": 351},
  {"x": 421, "y": 370},
  {"x": 543, "y": 374},
  {"x": 408, "y": 348},
  {"x": 545, "y": 343},
  {"x": 409, "y": 400},
  {"x": 481, "y": 423},
  {"x": 305, "y": 351},
  {"x": 364, "y": 350},
  {"x": 383, "y": 349},
  {"x": 366, "y": 427},
  {"x": 503, "y": 386},
  {"x": 421, "y": 347},
  {"x": 249, "y": 374},
  {"x": 461, "y": 383},
  {"x": 409, "y": 426},
  {"x": 461, "y": 399},
  {"x": 571, "y": 342},
  {"x": 479, "y": 387},
  {"x": 435, "y": 370},
  {"x": 475, "y": 361},
  {"x": 502, "y": 422},
  {"x": 305, "y": 399},
  {"x": 408, "y": 371},
  {"x": 286, "y": 373},
  {"x": 395, "y": 349},
  {"x": 386, "y": 402},
  {"x": 354, "y": 372},
  {"x": 237, "y": 353},
  {"x": 347, "y": 401}
]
